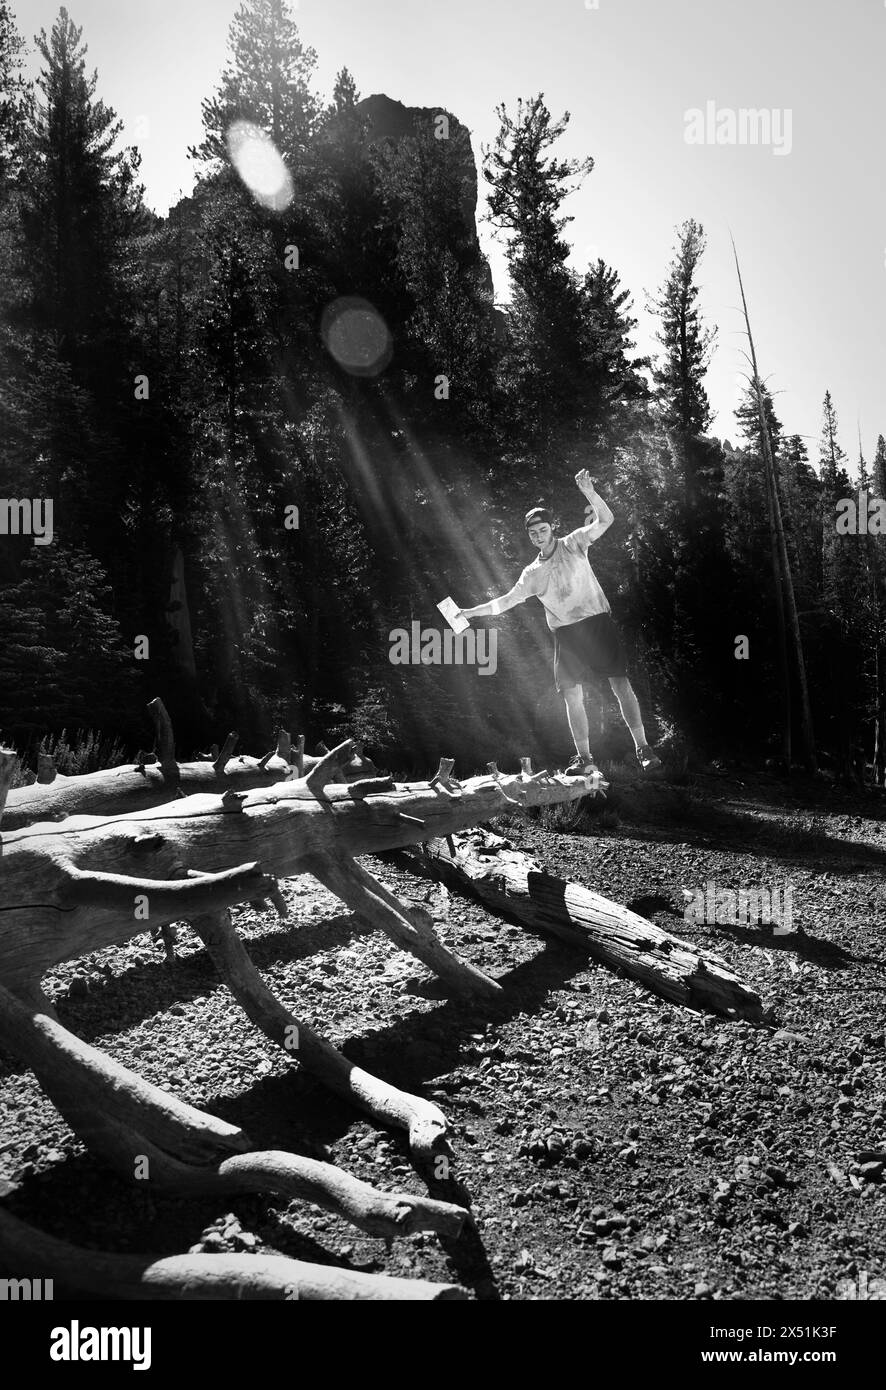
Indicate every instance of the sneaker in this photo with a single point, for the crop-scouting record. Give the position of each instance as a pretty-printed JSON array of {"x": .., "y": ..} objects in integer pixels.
[
  {"x": 580, "y": 767},
  {"x": 647, "y": 759}
]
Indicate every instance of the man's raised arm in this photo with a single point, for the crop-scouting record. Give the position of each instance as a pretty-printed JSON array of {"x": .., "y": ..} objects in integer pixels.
[{"x": 603, "y": 518}]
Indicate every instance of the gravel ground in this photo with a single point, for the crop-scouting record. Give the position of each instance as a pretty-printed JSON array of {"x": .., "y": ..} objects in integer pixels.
[{"x": 610, "y": 1145}]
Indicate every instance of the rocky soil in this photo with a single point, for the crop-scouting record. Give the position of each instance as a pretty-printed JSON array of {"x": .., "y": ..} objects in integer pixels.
[{"x": 610, "y": 1145}]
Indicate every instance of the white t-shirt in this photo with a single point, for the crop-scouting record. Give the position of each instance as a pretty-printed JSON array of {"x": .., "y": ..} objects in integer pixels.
[{"x": 565, "y": 582}]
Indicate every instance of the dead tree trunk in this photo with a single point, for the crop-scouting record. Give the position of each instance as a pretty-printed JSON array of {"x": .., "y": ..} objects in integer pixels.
[
  {"x": 781, "y": 561},
  {"x": 146, "y": 1134},
  {"x": 488, "y": 868},
  {"x": 95, "y": 881},
  {"x": 194, "y": 1277},
  {"x": 155, "y": 779},
  {"x": 880, "y": 714}
]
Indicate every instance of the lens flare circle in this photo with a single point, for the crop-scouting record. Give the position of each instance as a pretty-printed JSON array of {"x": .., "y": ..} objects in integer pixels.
[
  {"x": 260, "y": 165},
  {"x": 357, "y": 336}
]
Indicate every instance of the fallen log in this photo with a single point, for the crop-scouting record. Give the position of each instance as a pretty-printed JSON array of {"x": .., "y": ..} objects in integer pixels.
[
  {"x": 147, "y": 1135},
  {"x": 96, "y": 881},
  {"x": 486, "y": 867},
  {"x": 90, "y": 881},
  {"x": 154, "y": 780},
  {"x": 195, "y": 1276}
]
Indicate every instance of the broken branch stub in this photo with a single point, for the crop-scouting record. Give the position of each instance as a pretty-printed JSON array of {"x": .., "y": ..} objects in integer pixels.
[
  {"x": 222, "y": 758},
  {"x": 7, "y": 772},
  {"x": 165, "y": 742}
]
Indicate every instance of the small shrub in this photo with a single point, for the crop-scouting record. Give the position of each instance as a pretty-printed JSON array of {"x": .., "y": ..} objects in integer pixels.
[
  {"x": 22, "y": 776},
  {"x": 91, "y": 751}
]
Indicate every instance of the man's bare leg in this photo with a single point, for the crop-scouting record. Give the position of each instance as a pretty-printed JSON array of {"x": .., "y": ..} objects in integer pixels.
[
  {"x": 630, "y": 713},
  {"x": 578, "y": 719},
  {"x": 630, "y": 708}
]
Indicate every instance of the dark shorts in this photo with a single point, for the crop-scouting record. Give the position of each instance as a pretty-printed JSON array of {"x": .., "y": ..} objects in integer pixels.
[{"x": 585, "y": 650}]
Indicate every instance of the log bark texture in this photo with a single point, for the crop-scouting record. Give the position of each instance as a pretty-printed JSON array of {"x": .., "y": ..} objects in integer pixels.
[{"x": 488, "y": 868}]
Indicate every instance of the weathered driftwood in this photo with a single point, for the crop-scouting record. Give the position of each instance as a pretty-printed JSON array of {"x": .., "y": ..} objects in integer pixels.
[
  {"x": 487, "y": 867},
  {"x": 194, "y": 1276},
  {"x": 155, "y": 780},
  {"x": 93, "y": 881},
  {"x": 147, "y": 1135},
  {"x": 411, "y": 928},
  {"x": 96, "y": 881},
  {"x": 61, "y": 901},
  {"x": 424, "y": 1121}
]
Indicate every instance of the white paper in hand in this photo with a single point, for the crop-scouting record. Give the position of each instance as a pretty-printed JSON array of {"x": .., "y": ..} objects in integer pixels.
[{"x": 452, "y": 613}]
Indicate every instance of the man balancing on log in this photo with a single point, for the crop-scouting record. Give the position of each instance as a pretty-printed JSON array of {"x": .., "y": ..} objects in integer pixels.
[{"x": 586, "y": 639}]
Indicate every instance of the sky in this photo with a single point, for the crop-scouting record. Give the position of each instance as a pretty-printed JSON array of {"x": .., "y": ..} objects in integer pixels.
[{"x": 806, "y": 203}]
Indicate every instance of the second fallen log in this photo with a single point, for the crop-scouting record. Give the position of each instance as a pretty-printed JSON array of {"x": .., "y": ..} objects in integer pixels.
[{"x": 487, "y": 867}]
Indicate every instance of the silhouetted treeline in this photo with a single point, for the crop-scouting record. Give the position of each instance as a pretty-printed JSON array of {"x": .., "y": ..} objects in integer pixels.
[{"x": 282, "y": 422}]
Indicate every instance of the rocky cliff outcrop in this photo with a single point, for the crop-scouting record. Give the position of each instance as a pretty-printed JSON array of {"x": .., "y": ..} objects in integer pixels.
[{"x": 388, "y": 119}]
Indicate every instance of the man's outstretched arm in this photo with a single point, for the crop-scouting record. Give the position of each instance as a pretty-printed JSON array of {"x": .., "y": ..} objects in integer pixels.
[{"x": 498, "y": 605}]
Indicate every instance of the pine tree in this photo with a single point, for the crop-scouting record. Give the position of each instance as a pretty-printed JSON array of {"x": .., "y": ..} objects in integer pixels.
[
  {"x": 871, "y": 612},
  {"x": 14, "y": 99},
  {"x": 878, "y": 562},
  {"x": 679, "y": 377},
  {"x": 681, "y": 526},
  {"x": 800, "y": 492},
  {"x": 544, "y": 376},
  {"x": 839, "y": 552},
  {"x": 682, "y": 403},
  {"x": 63, "y": 661},
  {"x": 15, "y": 432},
  {"x": 749, "y": 531},
  {"x": 81, "y": 204},
  {"x": 844, "y": 586},
  {"x": 752, "y": 539},
  {"x": 831, "y": 457},
  {"x": 80, "y": 209},
  {"x": 879, "y": 467},
  {"x": 609, "y": 345},
  {"x": 266, "y": 82}
]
